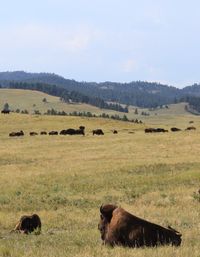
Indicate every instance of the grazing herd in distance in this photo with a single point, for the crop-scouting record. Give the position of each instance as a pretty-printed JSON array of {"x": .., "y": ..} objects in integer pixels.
[
  {"x": 81, "y": 131},
  {"x": 173, "y": 129},
  {"x": 70, "y": 131}
]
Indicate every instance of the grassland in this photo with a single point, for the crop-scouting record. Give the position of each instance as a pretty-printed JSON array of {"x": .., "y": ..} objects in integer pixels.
[
  {"x": 66, "y": 178},
  {"x": 33, "y": 100}
]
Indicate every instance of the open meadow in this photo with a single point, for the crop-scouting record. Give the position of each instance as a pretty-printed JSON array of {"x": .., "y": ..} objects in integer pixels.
[{"x": 65, "y": 179}]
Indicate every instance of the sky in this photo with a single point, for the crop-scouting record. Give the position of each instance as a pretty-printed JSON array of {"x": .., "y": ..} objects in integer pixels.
[{"x": 103, "y": 40}]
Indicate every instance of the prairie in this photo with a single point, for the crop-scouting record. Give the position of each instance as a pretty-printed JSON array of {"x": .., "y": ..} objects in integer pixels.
[{"x": 65, "y": 179}]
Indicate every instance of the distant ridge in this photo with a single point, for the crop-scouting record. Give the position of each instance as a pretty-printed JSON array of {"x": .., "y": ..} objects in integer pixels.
[{"x": 138, "y": 93}]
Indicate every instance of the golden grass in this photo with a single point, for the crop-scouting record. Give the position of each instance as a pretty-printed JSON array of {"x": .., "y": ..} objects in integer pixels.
[
  {"x": 66, "y": 178},
  {"x": 33, "y": 100}
]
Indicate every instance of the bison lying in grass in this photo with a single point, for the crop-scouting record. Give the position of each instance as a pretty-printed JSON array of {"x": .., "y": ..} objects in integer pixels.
[
  {"x": 97, "y": 132},
  {"x": 28, "y": 223},
  {"x": 70, "y": 131},
  {"x": 118, "y": 227},
  {"x": 16, "y": 134}
]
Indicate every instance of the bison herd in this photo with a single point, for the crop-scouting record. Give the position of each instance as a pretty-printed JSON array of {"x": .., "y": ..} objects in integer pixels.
[
  {"x": 81, "y": 131},
  {"x": 117, "y": 227},
  {"x": 173, "y": 129},
  {"x": 70, "y": 131}
]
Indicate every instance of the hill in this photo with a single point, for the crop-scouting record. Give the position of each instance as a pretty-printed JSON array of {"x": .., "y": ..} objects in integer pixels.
[
  {"x": 138, "y": 93},
  {"x": 33, "y": 101}
]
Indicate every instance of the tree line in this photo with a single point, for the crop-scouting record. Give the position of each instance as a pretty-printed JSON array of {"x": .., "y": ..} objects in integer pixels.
[{"x": 68, "y": 96}]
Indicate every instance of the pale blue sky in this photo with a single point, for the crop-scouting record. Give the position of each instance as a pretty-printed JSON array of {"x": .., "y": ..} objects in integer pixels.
[{"x": 103, "y": 40}]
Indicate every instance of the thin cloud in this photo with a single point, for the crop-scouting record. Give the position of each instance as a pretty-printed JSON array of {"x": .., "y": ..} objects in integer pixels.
[
  {"x": 46, "y": 37},
  {"x": 129, "y": 66}
]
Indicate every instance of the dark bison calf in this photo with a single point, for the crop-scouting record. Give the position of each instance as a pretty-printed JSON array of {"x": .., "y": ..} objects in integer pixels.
[
  {"x": 28, "y": 223},
  {"x": 97, "y": 132},
  {"x": 118, "y": 227}
]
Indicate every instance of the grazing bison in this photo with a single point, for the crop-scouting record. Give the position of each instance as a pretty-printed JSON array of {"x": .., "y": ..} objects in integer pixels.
[
  {"x": 97, "y": 132},
  {"x": 161, "y": 130},
  {"x": 5, "y": 111},
  {"x": 33, "y": 133},
  {"x": 149, "y": 130},
  {"x": 16, "y": 134},
  {"x": 43, "y": 133},
  {"x": 70, "y": 131},
  {"x": 190, "y": 128},
  {"x": 155, "y": 130},
  {"x": 118, "y": 227},
  {"x": 28, "y": 223},
  {"x": 53, "y": 133},
  {"x": 174, "y": 129},
  {"x": 115, "y": 131}
]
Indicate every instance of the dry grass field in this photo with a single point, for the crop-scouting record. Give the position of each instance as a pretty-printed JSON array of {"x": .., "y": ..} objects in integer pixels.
[
  {"x": 65, "y": 179},
  {"x": 33, "y": 100}
]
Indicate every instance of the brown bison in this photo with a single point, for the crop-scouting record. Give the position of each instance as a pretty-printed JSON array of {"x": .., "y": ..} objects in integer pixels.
[
  {"x": 16, "y": 134},
  {"x": 70, "y": 131},
  {"x": 190, "y": 128},
  {"x": 174, "y": 129},
  {"x": 53, "y": 133},
  {"x": 97, "y": 132},
  {"x": 28, "y": 223},
  {"x": 43, "y": 133},
  {"x": 33, "y": 133},
  {"x": 118, "y": 227},
  {"x": 5, "y": 111},
  {"x": 155, "y": 130}
]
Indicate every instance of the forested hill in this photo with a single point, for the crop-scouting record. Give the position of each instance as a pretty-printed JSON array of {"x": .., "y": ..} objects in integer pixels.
[{"x": 142, "y": 94}]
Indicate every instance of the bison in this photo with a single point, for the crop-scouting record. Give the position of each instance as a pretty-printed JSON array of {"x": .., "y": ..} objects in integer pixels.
[
  {"x": 33, "y": 133},
  {"x": 43, "y": 133},
  {"x": 190, "y": 128},
  {"x": 5, "y": 111},
  {"x": 16, "y": 134},
  {"x": 174, "y": 129},
  {"x": 53, "y": 133},
  {"x": 70, "y": 131},
  {"x": 28, "y": 223},
  {"x": 149, "y": 130},
  {"x": 97, "y": 132},
  {"x": 155, "y": 130},
  {"x": 119, "y": 227}
]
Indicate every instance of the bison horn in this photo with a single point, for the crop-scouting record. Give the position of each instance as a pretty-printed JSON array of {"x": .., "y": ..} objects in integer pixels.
[{"x": 101, "y": 209}]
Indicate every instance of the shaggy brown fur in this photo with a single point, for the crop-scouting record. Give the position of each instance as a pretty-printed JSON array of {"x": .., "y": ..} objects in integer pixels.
[
  {"x": 118, "y": 227},
  {"x": 28, "y": 223}
]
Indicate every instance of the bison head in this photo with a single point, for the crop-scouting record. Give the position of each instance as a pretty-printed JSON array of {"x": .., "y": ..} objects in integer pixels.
[{"x": 105, "y": 218}]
